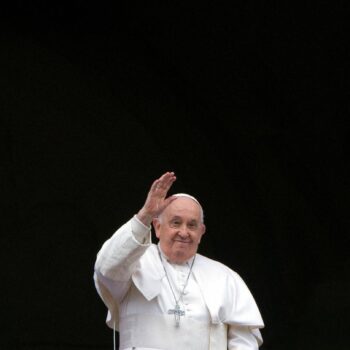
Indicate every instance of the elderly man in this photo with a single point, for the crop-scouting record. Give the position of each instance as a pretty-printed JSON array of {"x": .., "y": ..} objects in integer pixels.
[{"x": 166, "y": 296}]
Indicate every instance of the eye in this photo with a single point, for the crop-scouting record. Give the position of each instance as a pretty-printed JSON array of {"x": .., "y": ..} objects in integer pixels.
[
  {"x": 175, "y": 223},
  {"x": 192, "y": 225}
]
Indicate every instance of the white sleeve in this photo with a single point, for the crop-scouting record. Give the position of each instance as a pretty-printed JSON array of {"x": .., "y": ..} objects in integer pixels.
[
  {"x": 119, "y": 256},
  {"x": 241, "y": 338}
]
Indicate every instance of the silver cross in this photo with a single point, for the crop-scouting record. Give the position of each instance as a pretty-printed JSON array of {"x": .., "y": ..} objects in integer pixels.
[{"x": 177, "y": 313}]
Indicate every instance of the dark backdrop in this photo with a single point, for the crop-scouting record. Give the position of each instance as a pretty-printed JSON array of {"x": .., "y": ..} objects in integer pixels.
[{"x": 247, "y": 103}]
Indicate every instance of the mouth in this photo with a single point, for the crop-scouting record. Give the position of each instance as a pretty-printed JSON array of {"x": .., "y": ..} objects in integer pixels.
[{"x": 181, "y": 241}]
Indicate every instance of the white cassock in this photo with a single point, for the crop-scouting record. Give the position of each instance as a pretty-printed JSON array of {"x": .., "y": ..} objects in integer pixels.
[{"x": 219, "y": 311}]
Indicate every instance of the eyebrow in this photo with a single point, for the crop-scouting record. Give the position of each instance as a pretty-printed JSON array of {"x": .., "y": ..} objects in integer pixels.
[{"x": 176, "y": 218}]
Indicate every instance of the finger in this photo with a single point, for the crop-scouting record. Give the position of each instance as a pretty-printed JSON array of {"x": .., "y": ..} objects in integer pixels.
[
  {"x": 168, "y": 179},
  {"x": 155, "y": 185},
  {"x": 166, "y": 176},
  {"x": 165, "y": 181}
]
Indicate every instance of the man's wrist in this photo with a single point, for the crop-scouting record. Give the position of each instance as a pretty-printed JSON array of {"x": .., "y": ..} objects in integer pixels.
[
  {"x": 140, "y": 231},
  {"x": 144, "y": 217}
]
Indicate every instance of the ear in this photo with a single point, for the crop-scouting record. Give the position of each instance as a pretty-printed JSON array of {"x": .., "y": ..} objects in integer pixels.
[
  {"x": 203, "y": 229},
  {"x": 156, "y": 226}
]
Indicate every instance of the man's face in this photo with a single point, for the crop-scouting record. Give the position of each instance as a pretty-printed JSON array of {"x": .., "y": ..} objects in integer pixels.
[{"x": 180, "y": 229}]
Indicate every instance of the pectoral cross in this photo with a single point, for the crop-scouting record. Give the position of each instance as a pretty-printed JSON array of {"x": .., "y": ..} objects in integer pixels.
[{"x": 177, "y": 313}]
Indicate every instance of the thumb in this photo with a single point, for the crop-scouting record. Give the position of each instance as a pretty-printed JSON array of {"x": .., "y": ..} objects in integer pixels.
[{"x": 169, "y": 200}]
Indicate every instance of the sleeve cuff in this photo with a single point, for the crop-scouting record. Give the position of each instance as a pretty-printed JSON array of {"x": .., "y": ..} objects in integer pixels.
[{"x": 140, "y": 231}]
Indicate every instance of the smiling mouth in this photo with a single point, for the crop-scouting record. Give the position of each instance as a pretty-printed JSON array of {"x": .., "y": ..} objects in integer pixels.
[{"x": 180, "y": 241}]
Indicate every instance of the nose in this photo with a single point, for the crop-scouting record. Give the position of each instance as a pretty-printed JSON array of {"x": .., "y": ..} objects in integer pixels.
[{"x": 183, "y": 233}]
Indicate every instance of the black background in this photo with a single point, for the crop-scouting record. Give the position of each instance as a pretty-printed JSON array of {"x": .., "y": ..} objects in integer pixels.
[{"x": 247, "y": 102}]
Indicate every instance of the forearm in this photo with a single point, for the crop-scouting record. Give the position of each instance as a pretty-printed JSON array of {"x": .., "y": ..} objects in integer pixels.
[{"x": 119, "y": 255}]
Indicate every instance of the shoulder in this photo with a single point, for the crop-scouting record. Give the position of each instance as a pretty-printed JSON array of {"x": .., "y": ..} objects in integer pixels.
[
  {"x": 214, "y": 265},
  {"x": 218, "y": 272}
]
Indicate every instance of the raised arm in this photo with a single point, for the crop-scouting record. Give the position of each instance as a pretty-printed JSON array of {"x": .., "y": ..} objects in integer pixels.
[
  {"x": 156, "y": 200},
  {"x": 119, "y": 255}
]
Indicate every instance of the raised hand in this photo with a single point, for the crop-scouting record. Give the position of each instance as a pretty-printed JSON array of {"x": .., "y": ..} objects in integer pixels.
[{"x": 156, "y": 200}]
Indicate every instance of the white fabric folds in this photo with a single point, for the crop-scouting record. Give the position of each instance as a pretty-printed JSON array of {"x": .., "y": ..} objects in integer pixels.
[{"x": 124, "y": 266}]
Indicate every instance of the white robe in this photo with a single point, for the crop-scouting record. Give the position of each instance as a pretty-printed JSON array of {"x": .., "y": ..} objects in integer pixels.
[{"x": 128, "y": 265}]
